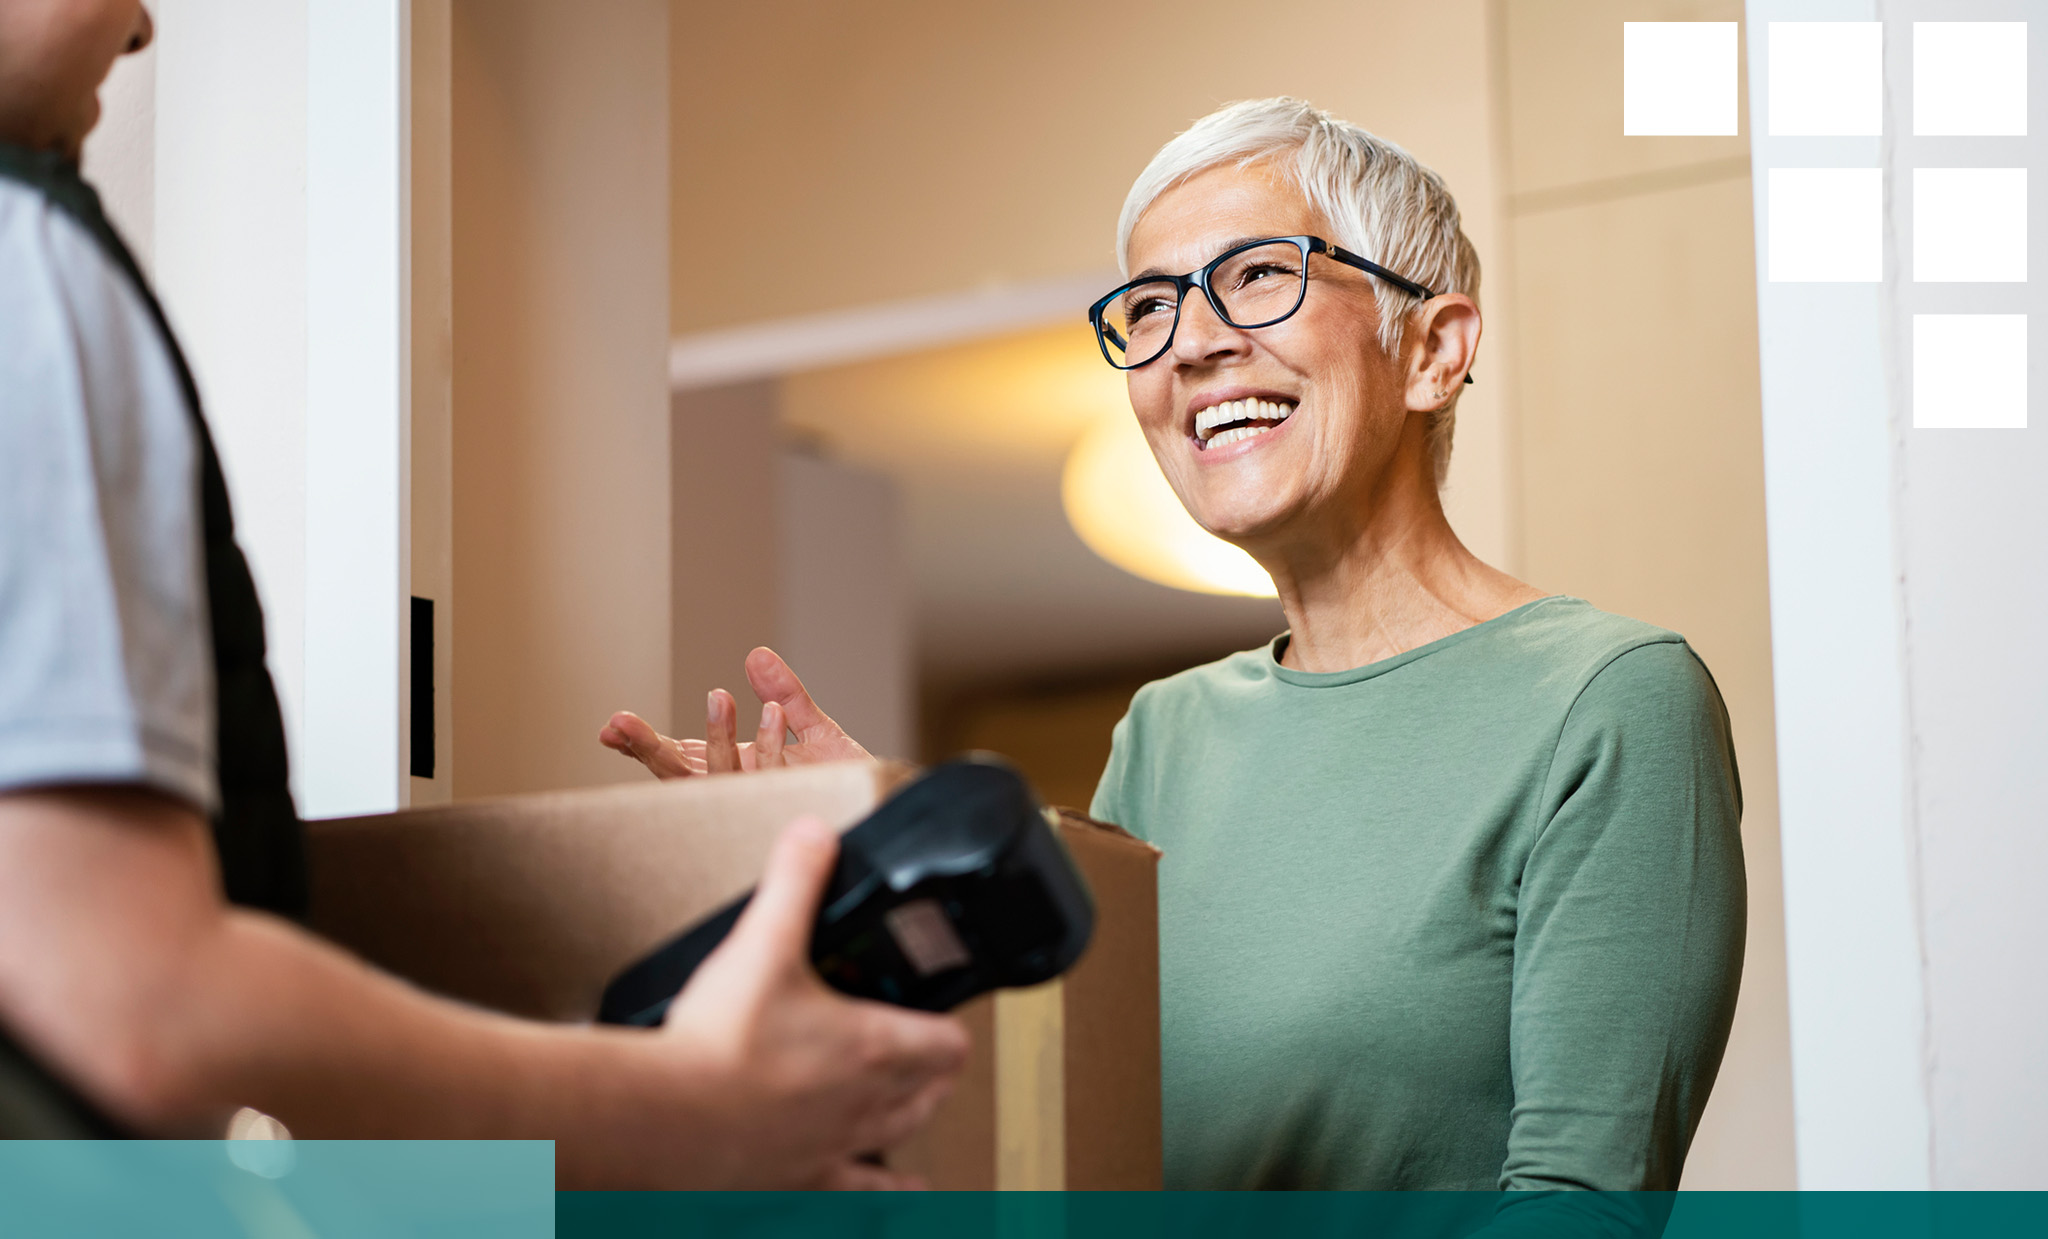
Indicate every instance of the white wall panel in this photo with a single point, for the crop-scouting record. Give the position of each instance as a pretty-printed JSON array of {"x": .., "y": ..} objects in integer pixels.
[
  {"x": 357, "y": 437},
  {"x": 1909, "y": 562},
  {"x": 230, "y": 180},
  {"x": 276, "y": 193}
]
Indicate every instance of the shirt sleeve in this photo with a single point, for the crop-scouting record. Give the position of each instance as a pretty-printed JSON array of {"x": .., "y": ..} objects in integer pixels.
[
  {"x": 1629, "y": 934},
  {"x": 1108, "y": 803},
  {"x": 1114, "y": 799},
  {"x": 106, "y": 665}
]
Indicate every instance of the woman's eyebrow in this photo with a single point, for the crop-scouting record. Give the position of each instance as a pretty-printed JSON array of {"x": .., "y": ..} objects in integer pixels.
[{"x": 1224, "y": 248}]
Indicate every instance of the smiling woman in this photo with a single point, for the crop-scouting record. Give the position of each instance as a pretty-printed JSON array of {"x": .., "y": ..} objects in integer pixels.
[{"x": 1453, "y": 893}]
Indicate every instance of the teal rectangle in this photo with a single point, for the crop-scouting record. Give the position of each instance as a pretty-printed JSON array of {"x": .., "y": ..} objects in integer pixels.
[
  {"x": 1306, "y": 1215},
  {"x": 277, "y": 1189}
]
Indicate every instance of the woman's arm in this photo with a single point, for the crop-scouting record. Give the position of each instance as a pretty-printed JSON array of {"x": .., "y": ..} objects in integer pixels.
[{"x": 1629, "y": 934}]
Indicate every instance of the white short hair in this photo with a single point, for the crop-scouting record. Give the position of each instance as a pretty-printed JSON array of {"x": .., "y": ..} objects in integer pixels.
[{"x": 1380, "y": 202}]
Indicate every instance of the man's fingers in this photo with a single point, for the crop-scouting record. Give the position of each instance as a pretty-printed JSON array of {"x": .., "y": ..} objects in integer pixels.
[
  {"x": 721, "y": 723},
  {"x": 913, "y": 1058},
  {"x": 768, "y": 740},
  {"x": 630, "y": 734},
  {"x": 779, "y": 918},
  {"x": 892, "y": 1124},
  {"x": 916, "y": 1045}
]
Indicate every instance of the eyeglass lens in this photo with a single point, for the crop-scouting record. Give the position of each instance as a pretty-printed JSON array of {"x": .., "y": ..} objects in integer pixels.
[{"x": 1256, "y": 287}]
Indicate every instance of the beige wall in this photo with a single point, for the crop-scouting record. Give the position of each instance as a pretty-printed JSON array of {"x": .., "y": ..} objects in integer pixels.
[
  {"x": 1640, "y": 463},
  {"x": 561, "y": 424},
  {"x": 843, "y": 598},
  {"x": 793, "y": 550},
  {"x": 926, "y": 147},
  {"x": 431, "y": 567},
  {"x": 725, "y": 470}
]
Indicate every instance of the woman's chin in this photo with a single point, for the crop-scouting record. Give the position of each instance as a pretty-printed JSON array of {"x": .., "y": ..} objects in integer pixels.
[{"x": 1243, "y": 525}]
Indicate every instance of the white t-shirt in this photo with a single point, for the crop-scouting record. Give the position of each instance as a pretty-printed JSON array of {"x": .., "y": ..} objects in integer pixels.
[{"x": 106, "y": 658}]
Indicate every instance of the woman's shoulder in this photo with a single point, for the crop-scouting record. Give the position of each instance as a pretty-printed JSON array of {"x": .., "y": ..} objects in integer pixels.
[
  {"x": 1578, "y": 641},
  {"x": 1614, "y": 670},
  {"x": 1232, "y": 673}
]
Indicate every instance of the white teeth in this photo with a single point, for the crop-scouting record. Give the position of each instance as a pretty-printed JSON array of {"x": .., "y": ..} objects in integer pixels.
[
  {"x": 1236, "y": 434},
  {"x": 1209, "y": 419}
]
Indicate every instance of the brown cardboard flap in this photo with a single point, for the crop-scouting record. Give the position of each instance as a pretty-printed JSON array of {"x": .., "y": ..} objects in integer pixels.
[
  {"x": 1074, "y": 819},
  {"x": 1110, "y": 1019},
  {"x": 530, "y": 904},
  {"x": 1062, "y": 1088}
]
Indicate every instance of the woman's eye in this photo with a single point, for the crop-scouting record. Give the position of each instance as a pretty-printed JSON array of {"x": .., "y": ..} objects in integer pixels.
[
  {"x": 1148, "y": 306},
  {"x": 1263, "y": 271}
]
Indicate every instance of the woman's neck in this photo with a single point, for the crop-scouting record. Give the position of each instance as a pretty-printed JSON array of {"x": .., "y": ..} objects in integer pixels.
[{"x": 1398, "y": 580}]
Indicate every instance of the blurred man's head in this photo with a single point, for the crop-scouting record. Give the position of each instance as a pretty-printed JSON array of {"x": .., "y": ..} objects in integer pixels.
[{"x": 53, "y": 56}]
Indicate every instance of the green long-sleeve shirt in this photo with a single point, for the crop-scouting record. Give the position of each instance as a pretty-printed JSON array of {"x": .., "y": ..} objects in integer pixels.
[{"x": 1468, "y": 917}]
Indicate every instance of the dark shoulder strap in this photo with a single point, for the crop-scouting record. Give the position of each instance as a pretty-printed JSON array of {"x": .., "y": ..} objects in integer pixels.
[{"x": 257, "y": 831}]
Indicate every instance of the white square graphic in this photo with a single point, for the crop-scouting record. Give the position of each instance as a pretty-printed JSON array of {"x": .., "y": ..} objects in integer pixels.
[
  {"x": 1826, "y": 225},
  {"x": 1970, "y": 79},
  {"x": 1827, "y": 79},
  {"x": 1970, "y": 371},
  {"x": 1970, "y": 225},
  {"x": 1677, "y": 78}
]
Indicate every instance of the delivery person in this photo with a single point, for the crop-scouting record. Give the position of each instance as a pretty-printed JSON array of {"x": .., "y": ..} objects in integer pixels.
[{"x": 150, "y": 855}]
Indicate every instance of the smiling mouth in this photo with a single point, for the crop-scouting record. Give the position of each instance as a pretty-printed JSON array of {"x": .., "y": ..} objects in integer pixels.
[{"x": 1238, "y": 420}]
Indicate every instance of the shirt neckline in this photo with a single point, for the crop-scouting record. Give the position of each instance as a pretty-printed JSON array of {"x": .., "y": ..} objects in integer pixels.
[{"x": 1353, "y": 675}]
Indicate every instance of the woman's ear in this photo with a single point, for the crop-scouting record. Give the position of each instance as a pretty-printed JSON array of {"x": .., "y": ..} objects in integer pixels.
[{"x": 1443, "y": 341}]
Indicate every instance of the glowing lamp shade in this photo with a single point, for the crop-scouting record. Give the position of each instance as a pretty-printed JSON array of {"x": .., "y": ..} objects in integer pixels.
[{"x": 1120, "y": 504}]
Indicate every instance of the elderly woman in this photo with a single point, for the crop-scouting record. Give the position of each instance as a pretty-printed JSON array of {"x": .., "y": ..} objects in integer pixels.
[{"x": 1452, "y": 893}]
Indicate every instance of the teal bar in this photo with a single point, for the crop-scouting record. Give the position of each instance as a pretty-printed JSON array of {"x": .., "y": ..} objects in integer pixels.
[
  {"x": 294, "y": 1189},
  {"x": 1305, "y": 1215}
]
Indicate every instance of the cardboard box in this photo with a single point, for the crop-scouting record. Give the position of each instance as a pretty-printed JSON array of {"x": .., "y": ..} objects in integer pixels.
[
  {"x": 529, "y": 904},
  {"x": 1063, "y": 1090}
]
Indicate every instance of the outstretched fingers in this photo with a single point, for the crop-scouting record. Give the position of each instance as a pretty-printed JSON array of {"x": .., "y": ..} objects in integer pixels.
[
  {"x": 773, "y": 682},
  {"x": 768, "y": 740},
  {"x": 721, "y": 727},
  {"x": 630, "y": 734}
]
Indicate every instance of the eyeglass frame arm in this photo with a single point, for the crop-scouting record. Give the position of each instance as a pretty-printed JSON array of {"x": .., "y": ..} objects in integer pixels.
[{"x": 1316, "y": 245}]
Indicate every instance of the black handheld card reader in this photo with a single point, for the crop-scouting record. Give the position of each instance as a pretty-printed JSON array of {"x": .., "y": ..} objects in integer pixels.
[{"x": 955, "y": 886}]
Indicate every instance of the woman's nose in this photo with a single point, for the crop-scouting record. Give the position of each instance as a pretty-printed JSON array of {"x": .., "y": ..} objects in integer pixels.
[{"x": 1202, "y": 334}]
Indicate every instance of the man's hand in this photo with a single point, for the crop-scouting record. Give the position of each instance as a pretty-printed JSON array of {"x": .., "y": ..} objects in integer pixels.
[
  {"x": 807, "y": 1080},
  {"x": 785, "y": 708},
  {"x": 121, "y": 970}
]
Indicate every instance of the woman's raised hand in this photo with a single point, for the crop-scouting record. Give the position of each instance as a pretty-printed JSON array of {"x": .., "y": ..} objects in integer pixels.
[{"x": 785, "y": 708}]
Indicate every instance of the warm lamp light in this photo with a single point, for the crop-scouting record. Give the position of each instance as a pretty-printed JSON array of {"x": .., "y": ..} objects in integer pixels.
[{"x": 1120, "y": 504}]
